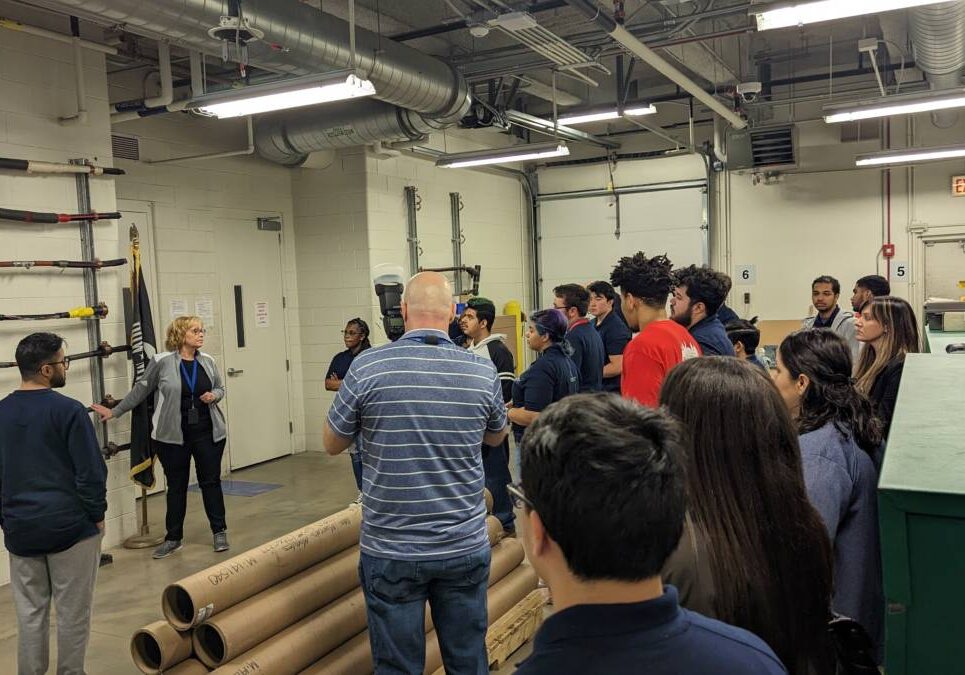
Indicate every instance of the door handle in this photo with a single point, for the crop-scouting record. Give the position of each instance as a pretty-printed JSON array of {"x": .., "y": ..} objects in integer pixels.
[{"x": 232, "y": 372}]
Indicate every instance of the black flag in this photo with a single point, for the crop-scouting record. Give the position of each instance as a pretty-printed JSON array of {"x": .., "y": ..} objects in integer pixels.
[{"x": 143, "y": 343}]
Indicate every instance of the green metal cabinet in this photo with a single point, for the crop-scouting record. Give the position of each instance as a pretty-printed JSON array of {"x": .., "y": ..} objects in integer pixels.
[{"x": 921, "y": 498}]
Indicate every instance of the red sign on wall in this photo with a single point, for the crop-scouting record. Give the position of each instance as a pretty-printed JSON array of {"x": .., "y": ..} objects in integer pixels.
[{"x": 958, "y": 186}]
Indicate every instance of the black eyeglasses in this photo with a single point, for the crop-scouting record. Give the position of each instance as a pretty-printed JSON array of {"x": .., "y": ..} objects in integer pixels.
[
  {"x": 66, "y": 363},
  {"x": 519, "y": 499}
]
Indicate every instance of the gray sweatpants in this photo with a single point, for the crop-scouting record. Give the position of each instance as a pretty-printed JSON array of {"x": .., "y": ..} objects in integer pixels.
[{"x": 68, "y": 577}]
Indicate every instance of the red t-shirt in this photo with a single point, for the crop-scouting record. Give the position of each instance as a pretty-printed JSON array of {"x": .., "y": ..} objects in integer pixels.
[{"x": 649, "y": 357}]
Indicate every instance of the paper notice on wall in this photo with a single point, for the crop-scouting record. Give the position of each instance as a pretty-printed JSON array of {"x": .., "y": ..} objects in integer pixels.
[
  {"x": 177, "y": 307},
  {"x": 204, "y": 307},
  {"x": 261, "y": 315}
]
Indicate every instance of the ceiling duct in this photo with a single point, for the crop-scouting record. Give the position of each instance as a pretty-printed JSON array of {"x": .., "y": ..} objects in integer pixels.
[
  {"x": 938, "y": 40},
  {"x": 299, "y": 40}
]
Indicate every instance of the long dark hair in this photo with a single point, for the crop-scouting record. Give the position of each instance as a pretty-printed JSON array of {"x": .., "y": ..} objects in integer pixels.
[
  {"x": 901, "y": 337},
  {"x": 768, "y": 550},
  {"x": 363, "y": 328},
  {"x": 824, "y": 357}
]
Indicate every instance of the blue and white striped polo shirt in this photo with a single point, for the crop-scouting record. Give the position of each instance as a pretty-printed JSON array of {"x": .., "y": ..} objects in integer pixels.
[{"x": 418, "y": 412}]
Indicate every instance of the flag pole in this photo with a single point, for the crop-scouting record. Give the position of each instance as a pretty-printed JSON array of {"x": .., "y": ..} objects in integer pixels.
[
  {"x": 144, "y": 539},
  {"x": 136, "y": 338}
]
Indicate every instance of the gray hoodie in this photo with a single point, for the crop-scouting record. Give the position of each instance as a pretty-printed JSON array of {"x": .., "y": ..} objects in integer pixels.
[
  {"x": 163, "y": 379},
  {"x": 843, "y": 325}
]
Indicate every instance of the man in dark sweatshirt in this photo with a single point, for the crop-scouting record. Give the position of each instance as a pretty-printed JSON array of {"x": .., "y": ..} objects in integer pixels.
[
  {"x": 53, "y": 496},
  {"x": 477, "y": 324},
  {"x": 588, "y": 355},
  {"x": 698, "y": 294}
]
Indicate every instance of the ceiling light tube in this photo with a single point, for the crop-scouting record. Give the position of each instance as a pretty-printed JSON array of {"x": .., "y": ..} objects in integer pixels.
[
  {"x": 519, "y": 153},
  {"x": 291, "y": 93},
  {"x": 602, "y": 115},
  {"x": 910, "y": 155},
  {"x": 827, "y": 10},
  {"x": 905, "y": 104}
]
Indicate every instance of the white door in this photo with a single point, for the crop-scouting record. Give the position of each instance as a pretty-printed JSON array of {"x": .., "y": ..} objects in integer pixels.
[
  {"x": 255, "y": 344},
  {"x": 138, "y": 214},
  {"x": 582, "y": 239},
  {"x": 945, "y": 269}
]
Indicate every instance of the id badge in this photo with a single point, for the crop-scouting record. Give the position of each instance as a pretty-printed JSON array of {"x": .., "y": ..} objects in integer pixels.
[{"x": 193, "y": 416}]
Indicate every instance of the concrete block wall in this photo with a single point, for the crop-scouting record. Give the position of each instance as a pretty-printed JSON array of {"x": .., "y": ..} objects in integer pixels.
[{"x": 37, "y": 87}]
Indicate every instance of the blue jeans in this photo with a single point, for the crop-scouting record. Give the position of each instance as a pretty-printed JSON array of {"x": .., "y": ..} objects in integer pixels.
[
  {"x": 496, "y": 467},
  {"x": 357, "y": 468},
  {"x": 395, "y": 598}
]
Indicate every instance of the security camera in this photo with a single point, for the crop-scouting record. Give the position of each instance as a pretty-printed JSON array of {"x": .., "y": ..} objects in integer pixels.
[{"x": 749, "y": 91}]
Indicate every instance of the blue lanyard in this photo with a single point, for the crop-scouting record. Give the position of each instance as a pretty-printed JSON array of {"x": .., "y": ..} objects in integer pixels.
[{"x": 192, "y": 379}]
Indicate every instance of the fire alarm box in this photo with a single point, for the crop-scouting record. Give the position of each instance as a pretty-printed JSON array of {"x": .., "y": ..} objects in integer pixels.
[{"x": 888, "y": 250}]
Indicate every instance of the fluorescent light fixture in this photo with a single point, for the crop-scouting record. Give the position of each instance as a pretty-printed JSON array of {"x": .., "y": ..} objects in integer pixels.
[
  {"x": 826, "y": 10},
  {"x": 291, "y": 93},
  {"x": 582, "y": 118},
  {"x": 519, "y": 153},
  {"x": 909, "y": 155},
  {"x": 905, "y": 104}
]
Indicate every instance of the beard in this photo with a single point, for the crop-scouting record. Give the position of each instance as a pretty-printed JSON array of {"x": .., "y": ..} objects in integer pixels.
[
  {"x": 58, "y": 380},
  {"x": 684, "y": 319}
]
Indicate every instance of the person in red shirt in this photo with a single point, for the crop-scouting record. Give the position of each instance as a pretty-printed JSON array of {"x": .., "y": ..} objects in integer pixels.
[{"x": 645, "y": 284}]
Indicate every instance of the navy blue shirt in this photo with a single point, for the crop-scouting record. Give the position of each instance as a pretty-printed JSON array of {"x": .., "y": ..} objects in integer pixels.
[
  {"x": 656, "y": 637},
  {"x": 588, "y": 355},
  {"x": 615, "y": 336},
  {"x": 551, "y": 377},
  {"x": 711, "y": 335},
  {"x": 52, "y": 476},
  {"x": 340, "y": 364},
  {"x": 726, "y": 315}
]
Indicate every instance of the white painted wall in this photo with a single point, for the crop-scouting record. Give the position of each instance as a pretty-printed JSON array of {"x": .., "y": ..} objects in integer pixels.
[{"x": 36, "y": 87}]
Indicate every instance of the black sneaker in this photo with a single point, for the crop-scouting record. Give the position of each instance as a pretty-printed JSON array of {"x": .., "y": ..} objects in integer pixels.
[
  {"x": 166, "y": 549},
  {"x": 221, "y": 541}
]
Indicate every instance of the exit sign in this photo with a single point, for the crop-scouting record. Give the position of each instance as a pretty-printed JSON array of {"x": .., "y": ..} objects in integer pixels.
[{"x": 958, "y": 186}]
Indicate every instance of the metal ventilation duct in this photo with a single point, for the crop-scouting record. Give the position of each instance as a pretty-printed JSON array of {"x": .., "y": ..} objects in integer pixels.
[
  {"x": 300, "y": 40},
  {"x": 938, "y": 40}
]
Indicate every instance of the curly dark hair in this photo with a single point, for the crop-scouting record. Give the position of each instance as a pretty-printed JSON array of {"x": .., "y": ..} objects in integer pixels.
[
  {"x": 704, "y": 285},
  {"x": 648, "y": 279}
]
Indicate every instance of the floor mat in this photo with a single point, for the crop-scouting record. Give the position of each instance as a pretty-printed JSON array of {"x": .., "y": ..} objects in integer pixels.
[{"x": 241, "y": 488}]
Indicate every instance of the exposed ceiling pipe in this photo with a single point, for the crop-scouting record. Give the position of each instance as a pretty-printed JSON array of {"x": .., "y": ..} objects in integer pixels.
[
  {"x": 938, "y": 41},
  {"x": 298, "y": 40},
  {"x": 80, "y": 117},
  {"x": 167, "y": 79},
  {"x": 647, "y": 55},
  {"x": 10, "y": 24}
]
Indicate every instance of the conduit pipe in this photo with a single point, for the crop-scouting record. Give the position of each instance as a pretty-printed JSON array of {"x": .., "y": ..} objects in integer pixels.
[
  {"x": 10, "y": 24},
  {"x": 80, "y": 117},
  {"x": 167, "y": 79},
  {"x": 649, "y": 56},
  {"x": 128, "y": 110}
]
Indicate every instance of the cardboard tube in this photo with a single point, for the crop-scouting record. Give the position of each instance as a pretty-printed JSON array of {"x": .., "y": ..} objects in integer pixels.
[
  {"x": 303, "y": 643},
  {"x": 200, "y": 596},
  {"x": 494, "y": 529},
  {"x": 189, "y": 667},
  {"x": 488, "y": 496},
  {"x": 355, "y": 656},
  {"x": 158, "y": 646},
  {"x": 233, "y": 632}
]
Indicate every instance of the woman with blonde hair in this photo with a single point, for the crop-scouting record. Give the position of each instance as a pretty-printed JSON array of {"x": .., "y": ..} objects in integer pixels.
[
  {"x": 889, "y": 331},
  {"x": 187, "y": 423}
]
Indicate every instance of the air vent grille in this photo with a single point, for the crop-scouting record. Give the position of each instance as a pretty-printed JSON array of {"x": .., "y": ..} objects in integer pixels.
[{"x": 125, "y": 147}]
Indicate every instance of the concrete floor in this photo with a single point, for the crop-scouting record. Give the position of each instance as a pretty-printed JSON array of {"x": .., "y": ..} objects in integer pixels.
[{"x": 128, "y": 593}]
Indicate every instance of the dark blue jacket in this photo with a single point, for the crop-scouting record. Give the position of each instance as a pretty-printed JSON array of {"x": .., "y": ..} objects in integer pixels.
[
  {"x": 656, "y": 637},
  {"x": 551, "y": 377},
  {"x": 53, "y": 478},
  {"x": 841, "y": 482},
  {"x": 588, "y": 355},
  {"x": 711, "y": 335}
]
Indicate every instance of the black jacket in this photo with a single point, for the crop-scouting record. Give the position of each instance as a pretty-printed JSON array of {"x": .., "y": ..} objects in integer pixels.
[{"x": 884, "y": 391}]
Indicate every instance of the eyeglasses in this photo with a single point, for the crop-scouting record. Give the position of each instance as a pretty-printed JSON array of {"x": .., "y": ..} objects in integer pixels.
[
  {"x": 66, "y": 363},
  {"x": 519, "y": 499}
]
